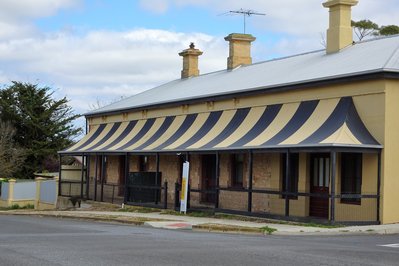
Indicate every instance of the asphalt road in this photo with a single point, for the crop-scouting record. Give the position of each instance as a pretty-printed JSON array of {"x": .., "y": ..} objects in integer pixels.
[{"x": 28, "y": 241}]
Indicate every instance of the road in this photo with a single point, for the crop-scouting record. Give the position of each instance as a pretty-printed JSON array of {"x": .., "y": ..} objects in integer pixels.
[{"x": 27, "y": 240}]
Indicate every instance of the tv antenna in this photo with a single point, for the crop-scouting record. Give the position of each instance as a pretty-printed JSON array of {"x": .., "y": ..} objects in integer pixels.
[{"x": 245, "y": 13}]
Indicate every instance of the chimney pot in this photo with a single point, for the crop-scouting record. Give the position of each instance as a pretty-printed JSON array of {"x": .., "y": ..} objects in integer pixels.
[
  {"x": 190, "y": 61},
  {"x": 239, "y": 49}
]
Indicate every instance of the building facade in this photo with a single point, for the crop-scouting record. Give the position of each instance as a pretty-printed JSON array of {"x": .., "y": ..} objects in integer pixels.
[{"x": 312, "y": 136}]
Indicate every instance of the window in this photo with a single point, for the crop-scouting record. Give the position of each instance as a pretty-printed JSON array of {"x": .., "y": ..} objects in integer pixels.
[
  {"x": 351, "y": 176},
  {"x": 294, "y": 170},
  {"x": 143, "y": 163},
  {"x": 101, "y": 160},
  {"x": 320, "y": 172},
  {"x": 237, "y": 170}
]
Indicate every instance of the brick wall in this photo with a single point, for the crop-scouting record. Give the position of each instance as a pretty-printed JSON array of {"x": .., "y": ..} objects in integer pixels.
[{"x": 266, "y": 175}]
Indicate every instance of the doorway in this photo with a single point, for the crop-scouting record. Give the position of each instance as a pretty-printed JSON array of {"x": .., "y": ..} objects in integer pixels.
[
  {"x": 319, "y": 183},
  {"x": 208, "y": 178}
]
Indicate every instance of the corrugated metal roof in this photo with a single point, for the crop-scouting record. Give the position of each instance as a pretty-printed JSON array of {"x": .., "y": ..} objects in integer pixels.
[{"x": 371, "y": 56}]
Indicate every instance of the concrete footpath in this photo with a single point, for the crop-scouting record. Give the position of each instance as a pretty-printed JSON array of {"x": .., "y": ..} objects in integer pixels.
[{"x": 184, "y": 222}]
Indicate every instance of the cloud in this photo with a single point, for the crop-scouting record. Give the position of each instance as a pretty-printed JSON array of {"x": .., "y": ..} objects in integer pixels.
[
  {"x": 94, "y": 65},
  {"x": 156, "y": 6},
  {"x": 105, "y": 64},
  {"x": 297, "y": 18},
  {"x": 16, "y": 16},
  {"x": 12, "y": 10}
]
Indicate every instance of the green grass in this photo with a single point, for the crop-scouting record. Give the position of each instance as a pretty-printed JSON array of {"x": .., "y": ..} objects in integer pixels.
[
  {"x": 234, "y": 229},
  {"x": 137, "y": 209},
  {"x": 211, "y": 214},
  {"x": 171, "y": 212},
  {"x": 205, "y": 214},
  {"x": 17, "y": 207},
  {"x": 268, "y": 230},
  {"x": 319, "y": 225}
]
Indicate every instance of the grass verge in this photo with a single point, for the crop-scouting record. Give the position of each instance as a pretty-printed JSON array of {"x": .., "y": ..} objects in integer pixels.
[
  {"x": 137, "y": 209},
  {"x": 268, "y": 230},
  {"x": 234, "y": 229},
  {"x": 17, "y": 207}
]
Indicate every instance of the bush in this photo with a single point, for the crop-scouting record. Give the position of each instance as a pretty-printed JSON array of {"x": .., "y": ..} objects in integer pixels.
[{"x": 17, "y": 207}]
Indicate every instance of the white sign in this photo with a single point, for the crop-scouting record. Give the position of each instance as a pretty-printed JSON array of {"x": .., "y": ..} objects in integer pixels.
[{"x": 184, "y": 187}]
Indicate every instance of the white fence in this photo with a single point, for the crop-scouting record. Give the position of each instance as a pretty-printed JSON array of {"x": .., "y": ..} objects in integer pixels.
[
  {"x": 41, "y": 193},
  {"x": 47, "y": 191}
]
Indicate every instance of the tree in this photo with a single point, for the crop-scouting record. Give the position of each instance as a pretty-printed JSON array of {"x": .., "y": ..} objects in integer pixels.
[
  {"x": 389, "y": 30},
  {"x": 43, "y": 125},
  {"x": 11, "y": 156},
  {"x": 364, "y": 28}
]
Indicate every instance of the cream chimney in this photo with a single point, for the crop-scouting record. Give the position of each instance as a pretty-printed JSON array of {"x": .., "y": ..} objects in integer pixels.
[
  {"x": 239, "y": 49},
  {"x": 190, "y": 62},
  {"x": 339, "y": 34}
]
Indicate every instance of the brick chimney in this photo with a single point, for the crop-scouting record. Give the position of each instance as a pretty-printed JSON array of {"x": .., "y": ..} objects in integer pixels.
[
  {"x": 239, "y": 49},
  {"x": 190, "y": 62},
  {"x": 340, "y": 33}
]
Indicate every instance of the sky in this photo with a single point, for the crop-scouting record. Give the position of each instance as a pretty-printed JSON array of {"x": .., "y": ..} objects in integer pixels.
[{"x": 96, "y": 51}]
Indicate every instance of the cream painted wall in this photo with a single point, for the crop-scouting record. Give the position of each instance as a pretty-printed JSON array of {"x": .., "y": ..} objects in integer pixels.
[
  {"x": 390, "y": 164},
  {"x": 358, "y": 89},
  {"x": 367, "y": 210}
]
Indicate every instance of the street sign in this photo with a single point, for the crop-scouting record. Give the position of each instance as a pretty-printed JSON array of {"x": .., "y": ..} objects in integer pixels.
[{"x": 184, "y": 187}]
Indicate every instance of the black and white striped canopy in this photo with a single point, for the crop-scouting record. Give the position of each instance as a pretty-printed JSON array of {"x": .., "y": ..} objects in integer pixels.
[{"x": 318, "y": 123}]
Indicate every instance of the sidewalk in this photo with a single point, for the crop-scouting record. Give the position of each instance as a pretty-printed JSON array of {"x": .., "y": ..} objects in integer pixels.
[{"x": 182, "y": 222}]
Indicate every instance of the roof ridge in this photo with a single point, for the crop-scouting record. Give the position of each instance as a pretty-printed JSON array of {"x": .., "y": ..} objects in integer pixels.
[{"x": 377, "y": 38}]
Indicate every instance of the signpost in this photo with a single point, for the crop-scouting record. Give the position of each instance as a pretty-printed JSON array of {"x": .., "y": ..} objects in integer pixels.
[{"x": 184, "y": 187}]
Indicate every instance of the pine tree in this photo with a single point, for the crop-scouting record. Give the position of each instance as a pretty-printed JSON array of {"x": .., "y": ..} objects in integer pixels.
[{"x": 43, "y": 125}]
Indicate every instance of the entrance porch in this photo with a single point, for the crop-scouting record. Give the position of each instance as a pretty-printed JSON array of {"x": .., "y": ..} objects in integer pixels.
[{"x": 329, "y": 186}]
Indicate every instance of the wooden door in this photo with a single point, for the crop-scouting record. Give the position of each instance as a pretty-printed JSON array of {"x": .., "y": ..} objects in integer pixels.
[
  {"x": 208, "y": 178},
  {"x": 320, "y": 179}
]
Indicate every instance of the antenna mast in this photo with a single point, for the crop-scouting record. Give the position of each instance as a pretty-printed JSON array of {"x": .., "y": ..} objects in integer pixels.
[{"x": 246, "y": 13}]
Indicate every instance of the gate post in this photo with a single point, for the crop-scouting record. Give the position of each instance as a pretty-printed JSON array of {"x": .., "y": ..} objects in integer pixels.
[
  {"x": 217, "y": 181},
  {"x": 177, "y": 196},
  {"x": 82, "y": 176},
  {"x": 250, "y": 179},
  {"x": 165, "y": 203},
  {"x": 59, "y": 175},
  {"x": 125, "y": 190},
  {"x": 333, "y": 173},
  {"x": 287, "y": 183}
]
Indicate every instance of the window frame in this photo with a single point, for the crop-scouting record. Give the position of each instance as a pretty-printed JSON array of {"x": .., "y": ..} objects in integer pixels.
[
  {"x": 355, "y": 183},
  {"x": 143, "y": 163},
  {"x": 234, "y": 183},
  {"x": 294, "y": 167}
]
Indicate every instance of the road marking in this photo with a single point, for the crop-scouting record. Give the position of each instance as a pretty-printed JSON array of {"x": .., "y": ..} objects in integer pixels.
[{"x": 390, "y": 246}]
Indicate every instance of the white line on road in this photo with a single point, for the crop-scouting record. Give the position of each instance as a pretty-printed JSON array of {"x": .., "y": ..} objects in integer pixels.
[{"x": 390, "y": 245}]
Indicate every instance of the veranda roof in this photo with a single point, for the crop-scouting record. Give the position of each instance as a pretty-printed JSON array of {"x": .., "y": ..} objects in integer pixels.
[{"x": 317, "y": 123}]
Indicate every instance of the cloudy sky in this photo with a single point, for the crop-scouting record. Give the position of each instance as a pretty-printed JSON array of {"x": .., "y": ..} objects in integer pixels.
[{"x": 100, "y": 50}]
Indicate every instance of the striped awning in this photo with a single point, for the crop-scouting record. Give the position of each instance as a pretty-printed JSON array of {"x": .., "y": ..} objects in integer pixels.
[{"x": 318, "y": 123}]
